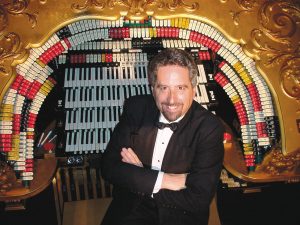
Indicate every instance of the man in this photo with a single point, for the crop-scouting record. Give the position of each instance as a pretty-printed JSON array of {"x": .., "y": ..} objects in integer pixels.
[{"x": 164, "y": 175}]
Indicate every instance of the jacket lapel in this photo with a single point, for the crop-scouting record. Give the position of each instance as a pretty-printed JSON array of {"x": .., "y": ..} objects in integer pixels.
[
  {"x": 146, "y": 134},
  {"x": 149, "y": 142}
]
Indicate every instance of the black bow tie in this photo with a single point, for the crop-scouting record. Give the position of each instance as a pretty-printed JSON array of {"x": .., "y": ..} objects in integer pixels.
[{"x": 172, "y": 126}]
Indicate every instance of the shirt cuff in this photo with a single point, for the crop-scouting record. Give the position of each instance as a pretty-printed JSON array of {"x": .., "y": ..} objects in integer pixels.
[{"x": 158, "y": 182}]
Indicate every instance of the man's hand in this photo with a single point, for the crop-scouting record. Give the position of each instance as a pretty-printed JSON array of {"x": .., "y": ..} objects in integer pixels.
[
  {"x": 128, "y": 156},
  {"x": 174, "y": 182}
]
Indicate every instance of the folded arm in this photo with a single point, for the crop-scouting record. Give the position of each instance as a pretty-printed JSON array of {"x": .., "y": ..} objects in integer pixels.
[
  {"x": 115, "y": 168},
  {"x": 170, "y": 181},
  {"x": 202, "y": 179}
]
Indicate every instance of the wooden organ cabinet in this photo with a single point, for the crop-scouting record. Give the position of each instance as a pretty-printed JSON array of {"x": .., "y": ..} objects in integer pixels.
[{"x": 67, "y": 66}]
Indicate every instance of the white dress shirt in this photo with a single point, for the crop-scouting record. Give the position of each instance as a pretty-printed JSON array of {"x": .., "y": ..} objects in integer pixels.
[{"x": 161, "y": 143}]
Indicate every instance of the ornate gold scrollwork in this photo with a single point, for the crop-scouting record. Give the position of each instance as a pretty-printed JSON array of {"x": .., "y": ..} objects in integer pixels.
[
  {"x": 136, "y": 7},
  {"x": 277, "y": 40},
  {"x": 280, "y": 164},
  {"x": 10, "y": 42},
  {"x": 16, "y": 7},
  {"x": 10, "y": 48},
  {"x": 290, "y": 78},
  {"x": 180, "y": 3},
  {"x": 90, "y": 3},
  {"x": 246, "y": 5}
]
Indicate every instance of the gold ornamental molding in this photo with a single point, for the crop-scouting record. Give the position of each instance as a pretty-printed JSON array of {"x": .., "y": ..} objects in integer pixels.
[
  {"x": 137, "y": 9},
  {"x": 267, "y": 30}
]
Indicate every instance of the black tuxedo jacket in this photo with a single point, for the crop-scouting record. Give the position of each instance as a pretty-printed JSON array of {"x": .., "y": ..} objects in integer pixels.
[{"x": 196, "y": 148}]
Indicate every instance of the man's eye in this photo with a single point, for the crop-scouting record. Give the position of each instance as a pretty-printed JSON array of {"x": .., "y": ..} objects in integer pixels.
[
  {"x": 181, "y": 88},
  {"x": 163, "y": 88}
]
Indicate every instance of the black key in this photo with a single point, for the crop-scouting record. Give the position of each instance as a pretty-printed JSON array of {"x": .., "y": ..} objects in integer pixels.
[
  {"x": 80, "y": 76},
  {"x": 82, "y": 137},
  {"x": 114, "y": 92},
  {"x": 69, "y": 94},
  {"x": 81, "y": 115},
  {"x": 92, "y": 137},
  {"x": 100, "y": 72},
  {"x": 140, "y": 72},
  {"x": 90, "y": 94},
  {"x": 103, "y": 135},
  {"x": 89, "y": 74},
  {"x": 108, "y": 73},
  {"x": 114, "y": 113},
  {"x": 81, "y": 94},
  {"x": 75, "y": 138},
  {"x": 73, "y": 95},
  {"x": 69, "y": 116},
  {"x": 99, "y": 136},
  {"x": 73, "y": 75},
  {"x": 103, "y": 114},
  {"x": 118, "y": 92},
  {"x": 111, "y": 72},
  {"x": 98, "y": 115},
  {"x": 86, "y": 94},
  {"x": 70, "y": 138},
  {"x": 91, "y": 115},
  {"x": 110, "y": 114},
  {"x": 86, "y": 115},
  {"x": 87, "y": 137},
  {"x": 74, "y": 117},
  {"x": 124, "y": 74},
  {"x": 144, "y": 74},
  {"x": 97, "y": 93},
  {"x": 102, "y": 93},
  {"x": 108, "y": 93}
]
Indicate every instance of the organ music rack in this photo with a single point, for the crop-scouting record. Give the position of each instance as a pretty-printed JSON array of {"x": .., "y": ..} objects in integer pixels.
[{"x": 91, "y": 58}]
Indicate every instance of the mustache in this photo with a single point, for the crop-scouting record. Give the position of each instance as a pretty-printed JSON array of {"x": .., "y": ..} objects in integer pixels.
[{"x": 172, "y": 104}]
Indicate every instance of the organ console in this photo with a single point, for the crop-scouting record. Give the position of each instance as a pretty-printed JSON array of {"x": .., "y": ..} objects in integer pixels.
[{"x": 65, "y": 78}]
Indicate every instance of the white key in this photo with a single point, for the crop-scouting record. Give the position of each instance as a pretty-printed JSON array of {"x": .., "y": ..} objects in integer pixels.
[
  {"x": 67, "y": 97},
  {"x": 67, "y": 141},
  {"x": 67, "y": 77}
]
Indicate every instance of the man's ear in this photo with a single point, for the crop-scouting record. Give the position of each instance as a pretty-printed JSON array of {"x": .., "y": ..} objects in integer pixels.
[{"x": 194, "y": 90}]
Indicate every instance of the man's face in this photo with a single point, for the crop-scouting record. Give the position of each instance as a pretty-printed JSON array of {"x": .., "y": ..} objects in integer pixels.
[{"x": 173, "y": 91}]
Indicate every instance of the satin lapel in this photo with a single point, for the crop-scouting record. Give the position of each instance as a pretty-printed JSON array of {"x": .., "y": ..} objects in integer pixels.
[
  {"x": 150, "y": 136},
  {"x": 147, "y": 133}
]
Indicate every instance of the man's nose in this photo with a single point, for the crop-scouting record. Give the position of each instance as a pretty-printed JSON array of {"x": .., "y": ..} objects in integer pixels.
[{"x": 172, "y": 96}]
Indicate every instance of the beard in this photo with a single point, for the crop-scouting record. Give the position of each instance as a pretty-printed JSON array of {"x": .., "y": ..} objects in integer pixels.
[{"x": 169, "y": 114}]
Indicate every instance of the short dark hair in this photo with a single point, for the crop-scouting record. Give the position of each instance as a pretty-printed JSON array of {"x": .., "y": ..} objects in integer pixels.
[{"x": 172, "y": 56}]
